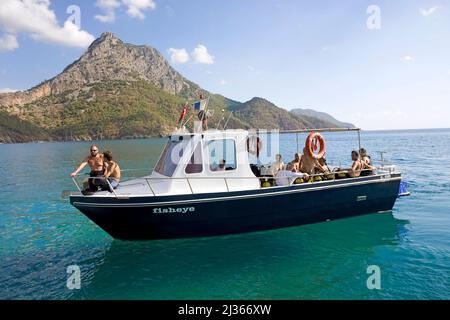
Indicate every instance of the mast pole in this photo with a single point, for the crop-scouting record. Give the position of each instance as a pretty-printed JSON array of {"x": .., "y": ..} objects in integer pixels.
[
  {"x": 222, "y": 117},
  {"x": 226, "y": 123},
  {"x": 204, "y": 112},
  {"x": 359, "y": 143}
]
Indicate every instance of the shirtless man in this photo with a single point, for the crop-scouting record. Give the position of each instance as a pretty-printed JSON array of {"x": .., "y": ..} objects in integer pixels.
[
  {"x": 95, "y": 161},
  {"x": 367, "y": 163},
  {"x": 365, "y": 157},
  {"x": 294, "y": 165},
  {"x": 112, "y": 172},
  {"x": 309, "y": 164},
  {"x": 357, "y": 166},
  {"x": 278, "y": 165}
]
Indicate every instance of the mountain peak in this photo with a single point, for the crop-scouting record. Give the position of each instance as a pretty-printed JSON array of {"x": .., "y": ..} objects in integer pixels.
[
  {"x": 108, "y": 58},
  {"x": 259, "y": 100},
  {"x": 106, "y": 37}
]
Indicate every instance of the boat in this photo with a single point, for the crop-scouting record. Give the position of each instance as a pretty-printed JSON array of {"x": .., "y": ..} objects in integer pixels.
[{"x": 205, "y": 184}]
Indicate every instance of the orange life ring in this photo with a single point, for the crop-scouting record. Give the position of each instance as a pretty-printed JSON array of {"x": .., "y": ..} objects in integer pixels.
[
  {"x": 312, "y": 142},
  {"x": 254, "y": 145}
]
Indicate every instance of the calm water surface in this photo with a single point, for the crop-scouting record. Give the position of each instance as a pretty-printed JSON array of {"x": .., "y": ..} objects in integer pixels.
[{"x": 41, "y": 234}]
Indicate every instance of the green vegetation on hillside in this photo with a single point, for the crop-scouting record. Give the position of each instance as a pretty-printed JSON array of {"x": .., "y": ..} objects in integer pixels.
[
  {"x": 263, "y": 114},
  {"x": 14, "y": 129},
  {"x": 115, "y": 109},
  {"x": 134, "y": 109}
]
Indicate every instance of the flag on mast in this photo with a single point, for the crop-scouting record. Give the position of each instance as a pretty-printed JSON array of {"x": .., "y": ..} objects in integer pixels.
[
  {"x": 184, "y": 112},
  {"x": 200, "y": 105}
]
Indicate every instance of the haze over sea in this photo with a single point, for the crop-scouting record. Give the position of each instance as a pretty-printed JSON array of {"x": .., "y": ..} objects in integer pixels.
[{"x": 41, "y": 234}]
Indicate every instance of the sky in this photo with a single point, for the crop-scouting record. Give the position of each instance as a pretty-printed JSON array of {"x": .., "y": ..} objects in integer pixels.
[{"x": 377, "y": 64}]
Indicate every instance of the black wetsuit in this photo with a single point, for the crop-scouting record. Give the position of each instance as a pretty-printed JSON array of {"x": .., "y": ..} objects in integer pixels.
[{"x": 94, "y": 183}]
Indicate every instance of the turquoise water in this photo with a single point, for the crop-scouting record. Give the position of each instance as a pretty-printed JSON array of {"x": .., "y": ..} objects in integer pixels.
[{"x": 41, "y": 234}]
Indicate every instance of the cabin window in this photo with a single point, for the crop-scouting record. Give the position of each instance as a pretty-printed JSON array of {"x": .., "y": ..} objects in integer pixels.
[
  {"x": 195, "y": 164},
  {"x": 222, "y": 155},
  {"x": 169, "y": 159}
]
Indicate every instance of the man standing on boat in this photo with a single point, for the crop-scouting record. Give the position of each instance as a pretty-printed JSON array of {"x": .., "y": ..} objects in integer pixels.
[
  {"x": 95, "y": 161},
  {"x": 310, "y": 165}
]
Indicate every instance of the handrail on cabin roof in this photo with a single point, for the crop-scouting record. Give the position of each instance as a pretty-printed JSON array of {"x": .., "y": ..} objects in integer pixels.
[
  {"x": 321, "y": 130},
  {"x": 280, "y": 131}
]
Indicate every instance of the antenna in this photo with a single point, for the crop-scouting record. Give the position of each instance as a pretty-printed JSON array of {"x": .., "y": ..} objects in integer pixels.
[
  {"x": 226, "y": 123},
  {"x": 222, "y": 118},
  {"x": 186, "y": 122}
]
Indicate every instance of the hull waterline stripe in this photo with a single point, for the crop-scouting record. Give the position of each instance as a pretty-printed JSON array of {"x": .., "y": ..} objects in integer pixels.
[{"x": 271, "y": 194}]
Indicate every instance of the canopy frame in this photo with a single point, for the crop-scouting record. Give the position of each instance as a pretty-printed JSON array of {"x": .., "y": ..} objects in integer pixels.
[{"x": 296, "y": 132}]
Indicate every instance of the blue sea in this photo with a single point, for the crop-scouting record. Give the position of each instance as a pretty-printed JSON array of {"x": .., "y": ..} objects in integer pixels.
[{"x": 41, "y": 235}]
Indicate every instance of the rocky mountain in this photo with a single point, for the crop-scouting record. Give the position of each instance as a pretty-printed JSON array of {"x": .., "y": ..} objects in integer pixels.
[
  {"x": 108, "y": 59},
  {"x": 325, "y": 117},
  {"x": 119, "y": 90}
]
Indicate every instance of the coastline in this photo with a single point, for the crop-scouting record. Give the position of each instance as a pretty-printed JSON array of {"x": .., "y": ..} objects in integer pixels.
[{"x": 382, "y": 131}]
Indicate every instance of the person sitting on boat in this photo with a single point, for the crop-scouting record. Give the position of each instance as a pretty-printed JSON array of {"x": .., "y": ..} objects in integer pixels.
[
  {"x": 323, "y": 166},
  {"x": 290, "y": 173},
  {"x": 358, "y": 165},
  {"x": 310, "y": 165},
  {"x": 95, "y": 161},
  {"x": 221, "y": 166},
  {"x": 277, "y": 165},
  {"x": 294, "y": 165},
  {"x": 365, "y": 157},
  {"x": 367, "y": 163},
  {"x": 112, "y": 173}
]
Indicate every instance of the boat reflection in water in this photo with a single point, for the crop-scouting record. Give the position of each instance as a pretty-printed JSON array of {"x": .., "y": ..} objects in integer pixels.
[
  {"x": 205, "y": 185},
  {"x": 247, "y": 265}
]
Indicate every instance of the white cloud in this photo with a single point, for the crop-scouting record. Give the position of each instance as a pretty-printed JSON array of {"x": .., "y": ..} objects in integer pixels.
[
  {"x": 223, "y": 82},
  {"x": 135, "y": 7},
  {"x": 35, "y": 18},
  {"x": 178, "y": 55},
  {"x": 200, "y": 55},
  {"x": 428, "y": 12},
  {"x": 408, "y": 59},
  {"x": 7, "y": 90},
  {"x": 108, "y": 7},
  {"x": 8, "y": 42}
]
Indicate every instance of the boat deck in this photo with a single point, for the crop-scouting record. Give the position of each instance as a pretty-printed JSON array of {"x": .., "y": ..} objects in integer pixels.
[{"x": 157, "y": 187}]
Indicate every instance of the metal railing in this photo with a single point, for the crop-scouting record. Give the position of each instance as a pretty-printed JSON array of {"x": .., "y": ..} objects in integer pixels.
[{"x": 307, "y": 178}]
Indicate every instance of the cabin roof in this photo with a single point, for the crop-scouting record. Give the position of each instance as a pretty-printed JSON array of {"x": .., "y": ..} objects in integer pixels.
[{"x": 212, "y": 133}]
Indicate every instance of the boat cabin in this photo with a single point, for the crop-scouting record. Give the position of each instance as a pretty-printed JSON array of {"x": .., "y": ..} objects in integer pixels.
[{"x": 206, "y": 162}]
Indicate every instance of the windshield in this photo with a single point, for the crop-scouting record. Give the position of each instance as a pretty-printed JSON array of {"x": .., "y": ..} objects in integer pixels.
[{"x": 170, "y": 157}]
